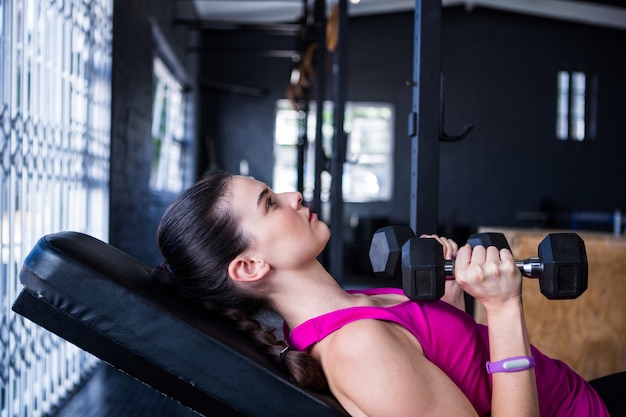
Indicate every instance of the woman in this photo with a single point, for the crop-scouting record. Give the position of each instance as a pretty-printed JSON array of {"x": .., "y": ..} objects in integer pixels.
[{"x": 230, "y": 242}]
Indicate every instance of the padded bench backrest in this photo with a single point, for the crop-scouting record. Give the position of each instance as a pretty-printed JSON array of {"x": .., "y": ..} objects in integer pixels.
[{"x": 105, "y": 302}]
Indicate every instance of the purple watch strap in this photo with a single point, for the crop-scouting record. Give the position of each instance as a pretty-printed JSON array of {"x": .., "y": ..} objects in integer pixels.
[{"x": 518, "y": 363}]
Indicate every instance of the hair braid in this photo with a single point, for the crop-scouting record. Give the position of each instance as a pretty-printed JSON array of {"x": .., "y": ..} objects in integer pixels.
[{"x": 304, "y": 368}]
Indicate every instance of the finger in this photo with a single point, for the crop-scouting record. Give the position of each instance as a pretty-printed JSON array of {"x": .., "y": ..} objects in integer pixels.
[
  {"x": 479, "y": 255},
  {"x": 492, "y": 254},
  {"x": 506, "y": 255},
  {"x": 448, "y": 247},
  {"x": 455, "y": 247},
  {"x": 508, "y": 263},
  {"x": 463, "y": 257},
  {"x": 468, "y": 270}
]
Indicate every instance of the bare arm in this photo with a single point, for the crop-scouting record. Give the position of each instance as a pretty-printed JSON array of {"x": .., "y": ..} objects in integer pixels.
[
  {"x": 491, "y": 276},
  {"x": 378, "y": 369}
]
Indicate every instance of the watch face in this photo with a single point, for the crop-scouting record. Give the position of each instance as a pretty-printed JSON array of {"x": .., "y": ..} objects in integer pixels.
[{"x": 515, "y": 364}]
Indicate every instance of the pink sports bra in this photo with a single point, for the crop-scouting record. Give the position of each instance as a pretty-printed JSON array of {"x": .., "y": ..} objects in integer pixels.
[{"x": 453, "y": 341}]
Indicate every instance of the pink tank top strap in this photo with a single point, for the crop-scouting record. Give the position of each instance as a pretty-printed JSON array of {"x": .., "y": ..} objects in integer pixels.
[{"x": 316, "y": 329}]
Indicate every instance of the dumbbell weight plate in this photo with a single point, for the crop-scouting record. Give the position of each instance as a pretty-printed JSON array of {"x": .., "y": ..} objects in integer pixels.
[
  {"x": 386, "y": 250},
  {"x": 565, "y": 271},
  {"x": 423, "y": 269}
]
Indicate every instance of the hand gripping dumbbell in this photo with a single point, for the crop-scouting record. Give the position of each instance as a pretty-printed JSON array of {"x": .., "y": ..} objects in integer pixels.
[
  {"x": 561, "y": 265},
  {"x": 386, "y": 248}
]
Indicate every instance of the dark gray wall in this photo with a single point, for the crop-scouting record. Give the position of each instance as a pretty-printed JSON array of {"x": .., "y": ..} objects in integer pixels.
[
  {"x": 135, "y": 209},
  {"x": 501, "y": 76},
  {"x": 238, "y": 125}
]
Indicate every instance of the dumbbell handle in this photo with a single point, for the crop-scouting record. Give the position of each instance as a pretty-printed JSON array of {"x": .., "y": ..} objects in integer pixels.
[{"x": 529, "y": 267}]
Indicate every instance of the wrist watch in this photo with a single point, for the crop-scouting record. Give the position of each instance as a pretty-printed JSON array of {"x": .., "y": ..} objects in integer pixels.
[{"x": 515, "y": 364}]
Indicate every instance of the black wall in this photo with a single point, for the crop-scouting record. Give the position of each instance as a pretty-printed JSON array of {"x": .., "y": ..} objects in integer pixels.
[
  {"x": 501, "y": 75},
  {"x": 134, "y": 209},
  {"x": 501, "y": 71}
]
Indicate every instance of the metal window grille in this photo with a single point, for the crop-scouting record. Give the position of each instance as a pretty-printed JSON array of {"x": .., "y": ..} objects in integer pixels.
[
  {"x": 168, "y": 130},
  {"x": 55, "y": 66}
]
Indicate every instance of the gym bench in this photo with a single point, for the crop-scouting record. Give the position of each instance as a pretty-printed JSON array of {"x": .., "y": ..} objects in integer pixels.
[{"x": 105, "y": 302}]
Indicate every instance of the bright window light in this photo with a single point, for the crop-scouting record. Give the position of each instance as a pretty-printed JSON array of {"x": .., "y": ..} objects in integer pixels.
[
  {"x": 368, "y": 170},
  {"x": 168, "y": 129},
  {"x": 571, "y": 105}
]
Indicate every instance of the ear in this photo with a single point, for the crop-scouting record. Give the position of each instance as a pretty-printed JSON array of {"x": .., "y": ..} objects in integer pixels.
[{"x": 247, "y": 269}]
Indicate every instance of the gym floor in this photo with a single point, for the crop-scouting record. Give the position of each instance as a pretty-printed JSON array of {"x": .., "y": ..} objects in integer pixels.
[{"x": 109, "y": 392}]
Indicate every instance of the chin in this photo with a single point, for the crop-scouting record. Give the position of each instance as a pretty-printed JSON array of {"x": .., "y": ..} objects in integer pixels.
[{"x": 326, "y": 229}]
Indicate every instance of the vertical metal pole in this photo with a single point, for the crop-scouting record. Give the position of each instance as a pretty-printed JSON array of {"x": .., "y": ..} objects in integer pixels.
[
  {"x": 319, "y": 14},
  {"x": 303, "y": 112},
  {"x": 339, "y": 147},
  {"x": 424, "y": 119},
  {"x": 303, "y": 141}
]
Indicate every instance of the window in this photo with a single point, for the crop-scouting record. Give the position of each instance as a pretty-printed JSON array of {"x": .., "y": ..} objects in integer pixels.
[
  {"x": 55, "y": 82},
  {"x": 168, "y": 131},
  {"x": 368, "y": 170},
  {"x": 572, "y": 115}
]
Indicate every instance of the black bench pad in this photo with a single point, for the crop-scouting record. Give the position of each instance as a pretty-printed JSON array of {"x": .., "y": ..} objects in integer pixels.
[{"x": 105, "y": 302}]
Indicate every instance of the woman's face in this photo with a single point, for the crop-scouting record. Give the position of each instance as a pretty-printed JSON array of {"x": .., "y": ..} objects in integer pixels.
[{"x": 284, "y": 232}]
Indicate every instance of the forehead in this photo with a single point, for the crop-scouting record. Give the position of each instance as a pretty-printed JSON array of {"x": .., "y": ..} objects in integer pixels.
[{"x": 246, "y": 192}]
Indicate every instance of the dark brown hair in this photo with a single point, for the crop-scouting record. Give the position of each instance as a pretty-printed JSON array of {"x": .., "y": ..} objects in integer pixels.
[{"x": 198, "y": 238}]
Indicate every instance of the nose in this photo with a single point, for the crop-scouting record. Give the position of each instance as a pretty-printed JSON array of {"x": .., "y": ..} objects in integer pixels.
[{"x": 295, "y": 199}]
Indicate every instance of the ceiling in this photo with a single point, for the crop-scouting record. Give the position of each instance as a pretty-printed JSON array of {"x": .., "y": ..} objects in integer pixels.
[{"x": 213, "y": 13}]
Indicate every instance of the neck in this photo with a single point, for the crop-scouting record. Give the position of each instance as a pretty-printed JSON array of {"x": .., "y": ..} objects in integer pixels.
[{"x": 301, "y": 295}]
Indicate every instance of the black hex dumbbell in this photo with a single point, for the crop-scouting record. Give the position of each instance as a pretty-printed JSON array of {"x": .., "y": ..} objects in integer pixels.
[
  {"x": 424, "y": 269},
  {"x": 561, "y": 265},
  {"x": 386, "y": 250}
]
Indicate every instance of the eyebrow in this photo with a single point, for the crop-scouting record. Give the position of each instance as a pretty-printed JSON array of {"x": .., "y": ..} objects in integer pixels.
[{"x": 262, "y": 194}]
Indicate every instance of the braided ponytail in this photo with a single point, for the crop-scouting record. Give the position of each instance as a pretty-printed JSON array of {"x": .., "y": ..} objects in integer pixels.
[
  {"x": 303, "y": 367},
  {"x": 198, "y": 238}
]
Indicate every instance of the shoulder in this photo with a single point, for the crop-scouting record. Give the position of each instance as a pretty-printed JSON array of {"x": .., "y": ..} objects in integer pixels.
[
  {"x": 361, "y": 359},
  {"x": 367, "y": 344},
  {"x": 377, "y": 368}
]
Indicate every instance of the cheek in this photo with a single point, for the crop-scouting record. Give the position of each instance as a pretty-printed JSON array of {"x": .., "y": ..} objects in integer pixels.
[
  {"x": 294, "y": 240},
  {"x": 294, "y": 256}
]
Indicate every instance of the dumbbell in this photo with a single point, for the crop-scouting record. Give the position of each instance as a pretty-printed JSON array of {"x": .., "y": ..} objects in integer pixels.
[
  {"x": 386, "y": 248},
  {"x": 561, "y": 265}
]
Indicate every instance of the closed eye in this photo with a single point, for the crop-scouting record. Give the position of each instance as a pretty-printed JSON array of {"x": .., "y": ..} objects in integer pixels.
[{"x": 269, "y": 202}]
